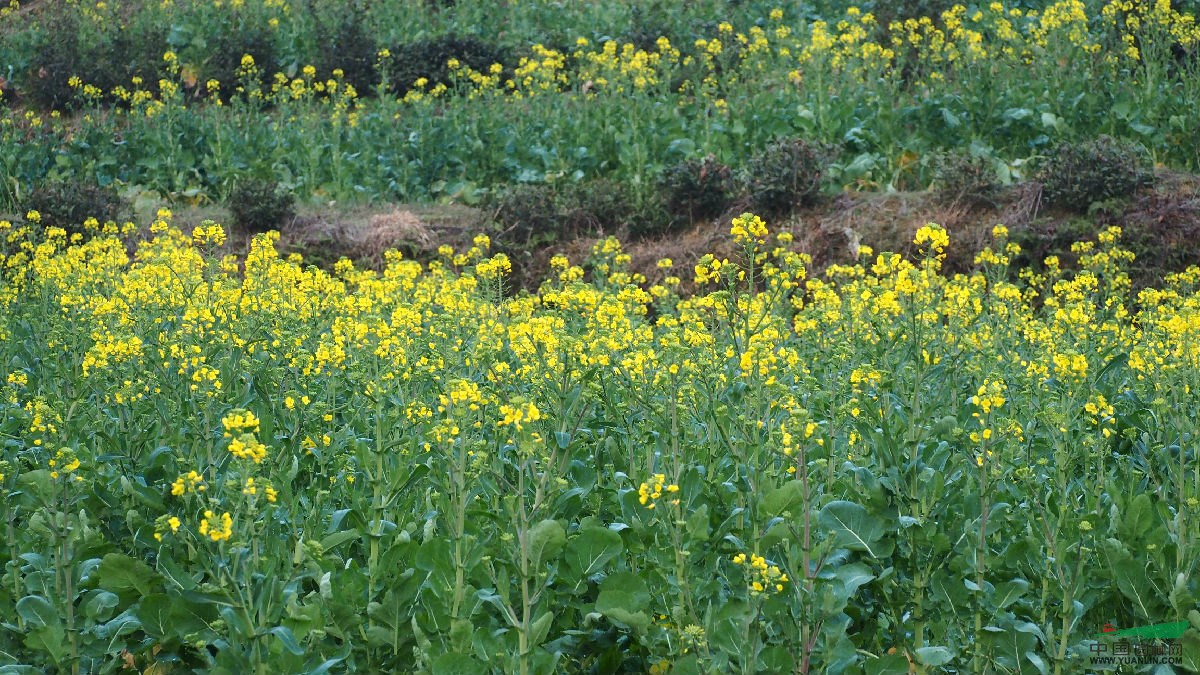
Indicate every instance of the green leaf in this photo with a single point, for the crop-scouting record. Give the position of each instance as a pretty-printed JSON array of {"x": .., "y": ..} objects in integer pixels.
[
  {"x": 121, "y": 573},
  {"x": 1190, "y": 643},
  {"x": 1137, "y": 518},
  {"x": 37, "y": 611},
  {"x": 546, "y": 541},
  {"x": 454, "y": 663},
  {"x": 1038, "y": 662},
  {"x": 852, "y": 577},
  {"x": 934, "y": 656},
  {"x": 892, "y": 664},
  {"x": 697, "y": 523},
  {"x": 590, "y": 550},
  {"x": 288, "y": 640},
  {"x": 783, "y": 499},
  {"x": 540, "y": 628},
  {"x": 854, "y": 528},
  {"x": 1131, "y": 579},
  {"x": 100, "y": 605},
  {"x": 1009, "y": 592},
  {"x": 622, "y": 598},
  {"x": 51, "y": 639}
]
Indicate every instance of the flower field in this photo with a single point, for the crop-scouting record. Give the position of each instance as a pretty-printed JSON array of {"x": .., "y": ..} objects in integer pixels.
[
  {"x": 219, "y": 464},
  {"x": 418, "y": 100}
]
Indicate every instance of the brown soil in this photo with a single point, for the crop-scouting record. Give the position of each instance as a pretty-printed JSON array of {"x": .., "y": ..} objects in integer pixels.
[{"x": 1162, "y": 226}]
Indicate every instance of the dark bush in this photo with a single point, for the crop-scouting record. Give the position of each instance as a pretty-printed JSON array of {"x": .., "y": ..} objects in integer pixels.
[
  {"x": 428, "y": 58},
  {"x": 534, "y": 214},
  {"x": 598, "y": 204},
  {"x": 1077, "y": 175},
  {"x": 697, "y": 189},
  {"x": 349, "y": 48},
  {"x": 259, "y": 205},
  {"x": 529, "y": 214},
  {"x": 967, "y": 178},
  {"x": 226, "y": 47},
  {"x": 68, "y": 203},
  {"x": 785, "y": 175},
  {"x": 105, "y": 57}
]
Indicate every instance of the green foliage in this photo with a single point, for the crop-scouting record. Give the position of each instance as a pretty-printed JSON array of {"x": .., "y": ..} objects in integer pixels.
[
  {"x": 1077, "y": 175},
  {"x": 786, "y": 175},
  {"x": 258, "y": 205},
  {"x": 68, "y": 203}
]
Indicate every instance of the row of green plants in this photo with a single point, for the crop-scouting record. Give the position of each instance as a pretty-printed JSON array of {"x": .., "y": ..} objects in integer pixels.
[
  {"x": 454, "y": 117},
  {"x": 223, "y": 464}
]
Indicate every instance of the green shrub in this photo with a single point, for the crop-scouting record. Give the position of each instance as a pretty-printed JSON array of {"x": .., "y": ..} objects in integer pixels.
[
  {"x": 259, "y": 205},
  {"x": 697, "y": 189},
  {"x": 965, "y": 177},
  {"x": 784, "y": 175},
  {"x": 68, "y": 203},
  {"x": 1077, "y": 175}
]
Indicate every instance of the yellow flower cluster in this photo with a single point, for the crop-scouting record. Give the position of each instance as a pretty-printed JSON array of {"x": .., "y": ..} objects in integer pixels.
[
  {"x": 64, "y": 461},
  {"x": 253, "y": 486},
  {"x": 989, "y": 397},
  {"x": 247, "y": 446},
  {"x": 240, "y": 421},
  {"x": 518, "y": 415},
  {"x": 166, "y": 524},
  {"x": 216, "y": 528},
  {"x": 649, "y": 492},
  {"x": 748, "y": 229},
  {"x": 188, "y": 483},
  {"x": 934, "y": 236},
  {"x": 208, "y": 233},
  {"x": 764, "y": 577}
]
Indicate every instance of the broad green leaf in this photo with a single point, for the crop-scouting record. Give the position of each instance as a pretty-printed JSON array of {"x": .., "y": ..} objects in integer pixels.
[
  {"x": 1137, "y": 519},
  {"x": 1131, "y": 579},
  {"x": 540, "y": 628},
  {"x": 546, "y": 541},
  {"x": 99, "y": 606},
  {"x": 854, "y": 528},
  {"x": 121, "y": 573},
  {"x": 1190, "y": 643},
  {"x": 37, "y": 611},
  {"x": 622, "y": 598},
  {"x": 589, "y": 551},
  {"x": 934, "y": 656},
  {"x": 784, "y": 498},
  {"x": 51, "y": 639},
  {"x": 1009, "y": 592},
  {"x": 891, "y": 664},
  {"x": 697, "y": 524},
  {"x": 454, "y": 663},
  {"x": 287, "y": 639}
]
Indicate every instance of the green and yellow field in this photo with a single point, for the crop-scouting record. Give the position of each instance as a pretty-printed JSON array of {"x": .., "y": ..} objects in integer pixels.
[
  {"x": 536, "y": 450},
  {"x": 226, "y": 465}
]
